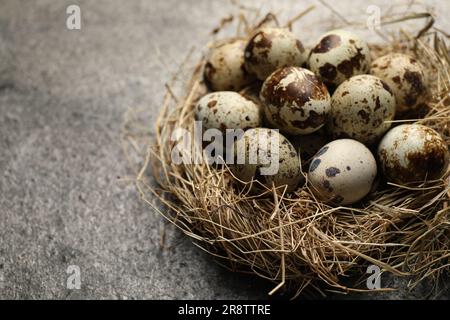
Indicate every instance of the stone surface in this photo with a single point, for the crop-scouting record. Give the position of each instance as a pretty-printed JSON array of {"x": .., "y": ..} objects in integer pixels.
[{"x": 63, "y": 95}]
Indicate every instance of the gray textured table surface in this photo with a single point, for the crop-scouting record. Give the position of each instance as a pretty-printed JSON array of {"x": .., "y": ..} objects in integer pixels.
[{"x": 62, "y": 99}]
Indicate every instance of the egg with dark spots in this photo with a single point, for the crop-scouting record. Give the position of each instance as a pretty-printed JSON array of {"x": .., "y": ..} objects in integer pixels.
[
  {"x": 295, "y": 101},
  {"x": 339, "y": 55},
  {"x": 361, "y": 109},
  {"x": 413, "y": 153},
  {"x": 405, "y": 76},
  {"x": 272, "y": 48},
  {"x": 227, "y": 110},
  {"x": 266, "y": 156},
  {"x": 342, "y": 172},
  {"x": 224, "y": 69}
]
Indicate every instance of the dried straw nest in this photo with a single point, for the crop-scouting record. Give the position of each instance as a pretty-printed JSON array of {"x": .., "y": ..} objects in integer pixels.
[{"x": 294, "y": 239}]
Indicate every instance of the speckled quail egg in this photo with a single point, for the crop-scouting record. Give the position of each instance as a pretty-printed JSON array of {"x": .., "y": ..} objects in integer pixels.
[
  {"x": 342, "y": 172},
  {"x": 227, "y": 110},
  {"x": 224, "y": 69},
  {"x": 360, "y": 109},
  {"x": 268, "y": 157},
  {"x": 339, "y": 55},
  {"x": 295, "y": 100},
  {"x": 413, "y": 153},
  {"x": 405, "y": 76},
  {"x": 272, "y": 48}
]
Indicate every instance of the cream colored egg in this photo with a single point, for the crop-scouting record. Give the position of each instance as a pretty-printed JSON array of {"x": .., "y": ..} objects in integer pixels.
[
  {"x": 272, "y": 48},
  {"x": 339, "y": 55},
  {"x": 405, "y": 76},
  {"x": 224, "y": 69},
  {"x": 268, "y": 157},
  {"x": 227, "y": 110},
  {"x": 295, "y": 100},
  {"x": 342, "y": 172},
  {"x": 361, "y": 109},
  {"x": 413, "y": 153}
]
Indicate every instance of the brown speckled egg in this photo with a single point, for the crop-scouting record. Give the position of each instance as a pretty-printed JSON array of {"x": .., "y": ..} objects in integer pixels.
[
  {"x": 268, "y": 157},
  {"x": 413, "y": 153},
  {"x": 339, "y": 55},
  {"x": 224, "y": 70},
  {"x": 360, "y": 108},
  {"x": 405, "y": 76},
  {"x": 272, "y": 48},
  {"x": 342, "y": 172},
  {"x": 295, "y": 100},
  {"x": 227, "y": 110}
]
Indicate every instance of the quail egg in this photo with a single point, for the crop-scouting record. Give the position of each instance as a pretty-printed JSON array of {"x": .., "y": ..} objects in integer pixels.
[
  {"x": 360, "y": 108},
  {"x": 405, "y": 76},
  {"x": 224, "y": 69},
  {"x": 227, "y": 110},
  {"x": 413, "y": 153},
  {"x": 339, "y": 55},
  {"x": 342, "y": 172},
  {"x": 295, "y": 100},
  {"x": 272, "y": 48},
  {"x": 268, "y": 157}
]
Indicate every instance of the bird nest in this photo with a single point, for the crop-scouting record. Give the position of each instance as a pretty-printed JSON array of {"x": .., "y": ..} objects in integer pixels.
[{"x": 294, "y": 239}]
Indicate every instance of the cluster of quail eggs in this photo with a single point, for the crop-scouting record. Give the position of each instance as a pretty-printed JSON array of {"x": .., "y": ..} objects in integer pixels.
[{"x": 333, "y": 106}]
